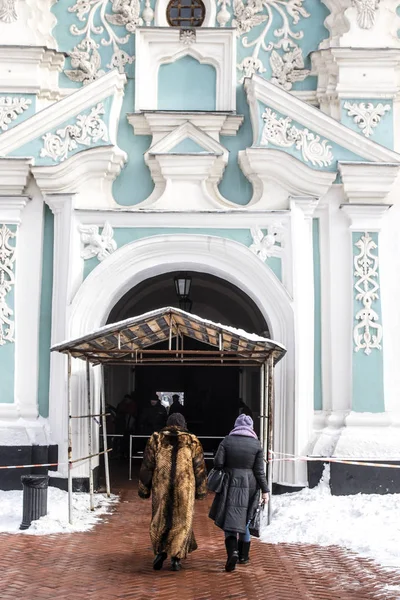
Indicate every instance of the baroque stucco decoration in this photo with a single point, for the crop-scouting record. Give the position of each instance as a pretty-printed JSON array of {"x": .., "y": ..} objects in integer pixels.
[
  {"x": 367, "y": 285},
  {"x": 265, "y": 244},
  {"x": 87, "y": 130},
  {"x": 96, "y": 244},
  {"x": 8, "y": 11},
  {"x": 366, "y": 12},
  {"x": 281, "y": 132},
  {"x": 366, "y": 115},
  {"x": 11, "y": 108},
  {"x": 7, "y": 280}
]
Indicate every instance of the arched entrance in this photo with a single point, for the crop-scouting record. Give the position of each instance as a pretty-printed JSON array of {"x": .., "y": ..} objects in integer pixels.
[
  {"x": 211, "y": 396},
  {"x": 230, "y": 261}
]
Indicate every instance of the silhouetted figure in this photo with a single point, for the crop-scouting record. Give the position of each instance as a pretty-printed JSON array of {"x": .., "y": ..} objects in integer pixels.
[
  {"x": 154, "y": 417},
  {"x": 176, "y": 406}
]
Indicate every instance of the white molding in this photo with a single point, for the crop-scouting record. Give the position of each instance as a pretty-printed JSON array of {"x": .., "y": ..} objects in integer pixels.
[
  {"x": 14, "y": 175},
  {"x": 160, "y": 123},
  {"x": 365, "y": 217},
  {"x": 366, "y": 182},
  {"x": 137, "y": 261},
  {"x": 160, "y": 13},
  {"x": 33, "y": 27},
  {"x": 30, "y": 70},
  {"x": 51, "y": 117},
  {"x": 157, "y": 46},
  {"x": 11, "y": 208},
  {"x": 276, "y": 176},
  {"x": 260, "y": 90}
]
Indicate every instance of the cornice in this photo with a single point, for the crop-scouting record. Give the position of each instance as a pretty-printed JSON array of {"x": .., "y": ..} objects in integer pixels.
[
  {"x": 11, "y": 208},
  {"x": 366, "y": 182},
  {"x": 365, "y": 217},
  {"x": 258, "y": 89},
  {"x": 30, "y": 70},
  {"x": 14, "y": 174},
  {"x": 111, "y": 84}
]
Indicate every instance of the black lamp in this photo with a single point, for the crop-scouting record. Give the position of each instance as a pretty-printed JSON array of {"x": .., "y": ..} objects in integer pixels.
[{"x": 182, "y": 288}]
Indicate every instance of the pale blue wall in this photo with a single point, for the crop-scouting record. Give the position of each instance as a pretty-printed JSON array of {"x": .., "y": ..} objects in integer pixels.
[
  {"x": 7, "y": 351},
  {"x": 188, "y": 146},
  {"x": 186, "y": 84},
  {"x": 368, "y": 395},
  {"x": 318, "y": 404},
  {"x": 45, "y": 313}
]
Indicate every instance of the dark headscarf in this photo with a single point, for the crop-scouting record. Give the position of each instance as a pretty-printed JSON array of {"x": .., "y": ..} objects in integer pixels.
[{"x": 176, "y": 420}]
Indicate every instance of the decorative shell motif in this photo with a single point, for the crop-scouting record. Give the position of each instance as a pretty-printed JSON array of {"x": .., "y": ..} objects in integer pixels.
[
  {"x": 366, "y": 12},
  {"x": 8, "y": 13}
]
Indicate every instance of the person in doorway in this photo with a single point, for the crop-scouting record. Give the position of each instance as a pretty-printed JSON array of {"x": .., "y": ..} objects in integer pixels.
[
  {"x": 176, "y": 406},
  {"x": 126, "y": 414},
  {"x": 174, "y": 473},
  {"x": 240, "y": 456},
  {"x": 154, "y": 417}
]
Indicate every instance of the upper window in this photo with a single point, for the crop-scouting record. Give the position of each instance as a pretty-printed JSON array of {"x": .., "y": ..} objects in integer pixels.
[{"x": 186, "y": 13}]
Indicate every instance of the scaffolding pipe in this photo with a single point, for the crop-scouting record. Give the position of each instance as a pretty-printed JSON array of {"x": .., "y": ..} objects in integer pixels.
[
  {"x": 103, "y": 418},
  {"x": 266, "y": 414},
  {"x": 89, "y": 402},
  {"x": 262, "y": 414},
  {"x": 270, "y": 373},
  {"x": 69, "y": 442}
]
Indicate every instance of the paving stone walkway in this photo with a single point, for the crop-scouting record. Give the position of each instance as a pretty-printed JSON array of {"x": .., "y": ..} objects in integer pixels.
[{"x": 114, "y": 561}]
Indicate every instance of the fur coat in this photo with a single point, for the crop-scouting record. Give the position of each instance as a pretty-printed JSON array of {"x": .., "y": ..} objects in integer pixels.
[{"x": 174, "y": 473}]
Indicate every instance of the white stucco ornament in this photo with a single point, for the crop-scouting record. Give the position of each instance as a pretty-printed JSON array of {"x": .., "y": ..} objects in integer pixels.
[
  {"x": 264, "y": 244},
  {"x": 366, "y": 115},
  {"x": 288, "y": 68},
  {"x": 7, "y": 280},
  {"x": 366, "y": 12},
  {"x": 367, "y": 333},
  {"x": 187, "y": 37},
  {"x": 279, "y": 131},
  {"x": 88, "y": 129},
  {"x": 96, "y": 244},
  {"x": 10, "y": 108},
  {"x": 8, "y": 11}
]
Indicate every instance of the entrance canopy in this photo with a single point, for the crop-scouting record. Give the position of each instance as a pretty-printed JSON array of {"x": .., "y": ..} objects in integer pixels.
[{"x": 130, "y": 342}]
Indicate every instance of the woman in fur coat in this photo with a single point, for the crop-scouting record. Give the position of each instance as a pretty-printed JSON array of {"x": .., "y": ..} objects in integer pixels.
[
  {"x": 174, "y": 473},
  {"x": 240, "y": 456}
]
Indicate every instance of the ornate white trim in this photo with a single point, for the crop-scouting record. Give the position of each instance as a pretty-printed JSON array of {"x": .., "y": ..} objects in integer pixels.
[
  {"x": 366, "y": 115},
  {"x": 101, "y": 245},
  {"x": 281, "y": 132},
  {"x": 8, "y": 11},
  {"x": 367, "y": 286},
  {"x": 7, "y": 280},
  {"x": 264, "y": 244},
  {"x": 88, "y": 129},
  {"x": 288, "y": 68},
  {"x": 10, "y": 108},
  {"x": 366, "y": 12},
  {"x": 187, "y": 36}
]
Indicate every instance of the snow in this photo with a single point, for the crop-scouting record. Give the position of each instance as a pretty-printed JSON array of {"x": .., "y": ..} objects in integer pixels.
[
  {"x": 56, "y": 521},
  {"x": 367, "y": 524}
]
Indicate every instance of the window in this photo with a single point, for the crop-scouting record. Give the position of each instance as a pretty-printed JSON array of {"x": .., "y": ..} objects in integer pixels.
[{"x": 186, "y": 13}]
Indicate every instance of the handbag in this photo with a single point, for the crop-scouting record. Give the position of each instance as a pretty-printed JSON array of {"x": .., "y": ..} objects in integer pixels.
[
  {"x": 255, "y": 521},
  {"x": 215, "y": 480}
]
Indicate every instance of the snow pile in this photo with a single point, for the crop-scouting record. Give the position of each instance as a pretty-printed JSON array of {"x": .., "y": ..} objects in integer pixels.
[
  {"x": 56, "y": 520},
  {"x": 365, "y": 523}
]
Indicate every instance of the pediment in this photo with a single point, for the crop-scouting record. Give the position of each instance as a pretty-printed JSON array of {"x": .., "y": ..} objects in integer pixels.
[
  {"x": 283, "y": 122},
  {"x": 188, "y": 139}
]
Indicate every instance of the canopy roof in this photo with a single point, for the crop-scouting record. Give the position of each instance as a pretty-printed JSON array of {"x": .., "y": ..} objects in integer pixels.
[{"x": 130, "y": 341}]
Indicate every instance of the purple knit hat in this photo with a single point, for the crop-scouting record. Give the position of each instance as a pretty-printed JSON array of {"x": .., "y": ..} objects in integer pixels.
[{"x": 244, "y": 421}]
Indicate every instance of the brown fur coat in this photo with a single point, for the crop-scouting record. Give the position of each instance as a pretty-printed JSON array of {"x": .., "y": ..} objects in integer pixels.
[{"x": 174, "y": 472}]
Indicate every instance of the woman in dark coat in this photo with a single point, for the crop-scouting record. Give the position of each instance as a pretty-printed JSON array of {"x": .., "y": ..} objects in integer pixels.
[
  {"x": 240, "y": 456},
  {"x": 174, "y": 473}
]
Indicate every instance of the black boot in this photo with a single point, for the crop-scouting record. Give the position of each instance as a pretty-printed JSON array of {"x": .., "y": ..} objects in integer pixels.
[
  {"x": 176, "y": 563},
  {"x": 158, "y": 561},
  {"x": 244, "y": 549},
  {"x": 231, "y": 549}
]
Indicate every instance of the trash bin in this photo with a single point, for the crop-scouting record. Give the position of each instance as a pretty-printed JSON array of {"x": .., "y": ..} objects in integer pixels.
[{"x": 35, "y": 498}]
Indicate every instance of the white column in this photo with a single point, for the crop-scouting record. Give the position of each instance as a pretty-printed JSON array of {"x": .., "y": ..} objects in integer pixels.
[{"x": 302, "y": 210}]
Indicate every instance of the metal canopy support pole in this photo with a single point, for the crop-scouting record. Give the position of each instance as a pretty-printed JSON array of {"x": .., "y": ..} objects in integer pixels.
[
  {"x": 89, "y": 401},
  {"x": 270, "y": 390},
  {"x": 104, "y": 419},
  {"x": 262, "y": 411},
  {"x": 69, "y": 441}
]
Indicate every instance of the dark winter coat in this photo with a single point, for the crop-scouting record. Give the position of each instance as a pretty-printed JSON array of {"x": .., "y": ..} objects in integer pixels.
[
  {"x": 241, "y": 458},
  {"x": 174, "y": 473}
]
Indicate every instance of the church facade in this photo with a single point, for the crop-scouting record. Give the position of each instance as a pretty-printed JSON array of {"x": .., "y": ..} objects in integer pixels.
[{"x": 253, "y": 142}]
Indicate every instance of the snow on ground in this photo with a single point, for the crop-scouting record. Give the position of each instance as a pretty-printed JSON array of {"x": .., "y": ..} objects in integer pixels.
[
  {"x": 368, "y": 524},
  {"x": 56, "y": 520}
]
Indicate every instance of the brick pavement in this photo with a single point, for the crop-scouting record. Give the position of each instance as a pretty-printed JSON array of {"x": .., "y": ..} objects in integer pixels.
[{"x": 113, "y": 561}]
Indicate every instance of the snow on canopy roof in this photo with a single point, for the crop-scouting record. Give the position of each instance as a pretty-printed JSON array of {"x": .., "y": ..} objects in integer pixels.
[{"x": 121, "y": 342}]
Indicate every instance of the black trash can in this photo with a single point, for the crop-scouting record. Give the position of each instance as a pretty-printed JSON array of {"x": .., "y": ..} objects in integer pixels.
[{"x": 35, "y": 498}]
